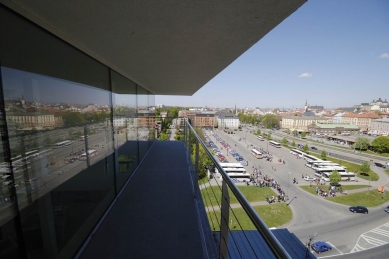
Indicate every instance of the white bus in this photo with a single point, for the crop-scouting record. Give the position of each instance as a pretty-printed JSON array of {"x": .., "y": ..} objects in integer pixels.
[
  {"x": 345, "y": 176},
  {"x": 235, "y": 171},
  {"x": 297, "y": 152},
  {"x": 63, "y": 144},
  {"x": 91, "y": 153},
  {"x": 260, "y": 138},
  {"x": 274, "y": 144},
  {"x": 82, "y": 138},
  {"x": 256, "y": 153},
  {"x": 328, "y": 169},
  {"x": 324, "y": 164},
  {"x": 310, "y": 158},
  {"x": 312, "y": 164}
]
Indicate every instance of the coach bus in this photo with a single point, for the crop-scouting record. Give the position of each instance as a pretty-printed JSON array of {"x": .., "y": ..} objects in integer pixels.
[
  {"x": 256, "y": 153},
  {"x": 91, "y": 153},
  {"x": 310, "y": 158},
  {"x": 345, "y": 176},
  {"x": 260, "y": 138},
  {"x": 274, "y": 144},
  {"x": 235, "y": 171},
  {"x": 63, "y": 144},
  {"x": 328, "y": 169},
  {"x": 297, "y": 152}
]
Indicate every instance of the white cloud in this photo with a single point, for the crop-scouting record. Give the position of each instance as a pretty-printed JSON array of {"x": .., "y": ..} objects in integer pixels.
[
  {"x": 305, "y": 75},
  {"x": 384, "y": 55}
]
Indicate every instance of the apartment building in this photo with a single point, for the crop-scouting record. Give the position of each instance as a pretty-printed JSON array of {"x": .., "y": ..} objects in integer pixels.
[{"x": 363, "y": 121}]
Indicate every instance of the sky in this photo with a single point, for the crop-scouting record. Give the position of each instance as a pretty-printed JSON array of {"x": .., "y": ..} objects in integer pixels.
[{"x": 333, "y": 53}]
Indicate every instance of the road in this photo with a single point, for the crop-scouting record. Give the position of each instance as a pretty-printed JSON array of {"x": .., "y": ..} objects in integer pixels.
[{"x": 313, "y": 215}]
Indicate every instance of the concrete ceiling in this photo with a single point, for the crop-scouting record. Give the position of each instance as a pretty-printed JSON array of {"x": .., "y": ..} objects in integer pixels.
[{"x": 170, "y": 47}]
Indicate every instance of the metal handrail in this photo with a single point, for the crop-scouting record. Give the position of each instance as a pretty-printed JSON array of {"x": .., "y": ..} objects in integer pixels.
[{"x": 269, "y": 238}]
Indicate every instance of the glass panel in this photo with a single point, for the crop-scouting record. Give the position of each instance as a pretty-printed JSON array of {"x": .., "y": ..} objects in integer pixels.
[
  {"x": 152, "y": 130},
  {"x": 125, "y": 127},
  {"x": 59, "y": 141},
  {"x": 144, "y": 121}
]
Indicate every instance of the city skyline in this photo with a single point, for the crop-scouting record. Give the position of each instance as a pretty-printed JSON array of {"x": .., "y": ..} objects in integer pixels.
[{"x": 330, "y": 53}]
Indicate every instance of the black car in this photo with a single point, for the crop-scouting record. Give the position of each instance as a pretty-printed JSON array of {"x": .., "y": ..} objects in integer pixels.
[
  {"x": 314, "y": 148},
  {"x": 380, "y": 165},
  {"x": 359, "y": 209},
  {"x": 335, "y": 184}
]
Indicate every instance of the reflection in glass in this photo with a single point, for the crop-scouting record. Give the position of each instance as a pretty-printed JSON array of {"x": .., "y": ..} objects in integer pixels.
[
  {"x": 125, "y": 127},
  {"x": 61, "y": 162}
]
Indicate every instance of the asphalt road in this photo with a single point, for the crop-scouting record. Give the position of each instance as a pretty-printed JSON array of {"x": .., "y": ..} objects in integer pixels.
[{"x": 313, "y": 215}]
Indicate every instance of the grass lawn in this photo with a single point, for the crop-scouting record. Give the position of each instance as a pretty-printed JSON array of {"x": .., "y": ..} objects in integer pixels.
[
  {"x": 369, "y": 199},
  {"x": 212, "y": 195},
  {"x": 274, "y": 215},
  {"x": 311, "y": 189},
  {"x": 203, "y": 181},
  {"x": 387, "y": 171}
]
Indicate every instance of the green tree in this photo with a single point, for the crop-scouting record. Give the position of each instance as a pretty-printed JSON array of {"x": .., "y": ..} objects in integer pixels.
[
  {"x": 270, "y": 121},
  {"x": 335, "y": 177},
  {"x": 303, "y": 134},
  {"x": 268, "y": 137},
  {"x": 365, "y": 168},
  {"x": 48, "y": 141},
  {"x": 204, "y": 160},
  {"x": 294, "y": 132},
  {"x": 323, "y": 155},
  {"x": 381, "y": 144},
  {"x": 293, "y": 144},
  {"x": 73, "y": 119},
  {"x": 163, "y": 136},
  {"x": 306, "y": 148},
  {"x": 284, "y": 141},
  {"x": 361, "y": 143},
  {"x": 35, "y": 144}
]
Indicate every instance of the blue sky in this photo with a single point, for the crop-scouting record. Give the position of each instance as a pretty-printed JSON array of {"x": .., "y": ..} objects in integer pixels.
[{"x": 331, "y": 53}]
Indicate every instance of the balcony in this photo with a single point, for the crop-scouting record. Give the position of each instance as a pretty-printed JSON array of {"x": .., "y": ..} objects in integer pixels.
[{"x": 160, "y": 214}]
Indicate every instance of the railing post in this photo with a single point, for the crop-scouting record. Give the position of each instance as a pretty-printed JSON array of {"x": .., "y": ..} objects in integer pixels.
[
  {"x": 185, "y": 131},
  {"x": 196, "y": 175},
  {"x": 225, "y": 217}
]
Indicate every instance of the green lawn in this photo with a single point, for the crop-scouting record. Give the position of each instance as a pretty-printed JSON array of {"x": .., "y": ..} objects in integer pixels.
[
  {"x": 311, "y": 189},
  {"x": 351, "y": 167},
  {"x": 369, "y": 199},
  {"x": 212, "y": 195},
  {"x": 274, "y": 215}
]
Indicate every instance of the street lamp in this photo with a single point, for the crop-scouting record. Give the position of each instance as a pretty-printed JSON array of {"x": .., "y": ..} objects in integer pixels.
[{"x": 287, "y": 188}]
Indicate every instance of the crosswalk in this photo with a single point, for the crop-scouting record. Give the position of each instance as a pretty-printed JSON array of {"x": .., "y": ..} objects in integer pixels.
[{"x": 373, "y": 238}]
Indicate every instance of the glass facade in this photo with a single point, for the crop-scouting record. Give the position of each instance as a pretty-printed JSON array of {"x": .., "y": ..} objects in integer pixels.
[{"x": 73, "y": 131}]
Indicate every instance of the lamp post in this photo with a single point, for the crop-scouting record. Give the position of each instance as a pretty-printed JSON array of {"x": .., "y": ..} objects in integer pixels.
[{"x": 287, "y": 188}]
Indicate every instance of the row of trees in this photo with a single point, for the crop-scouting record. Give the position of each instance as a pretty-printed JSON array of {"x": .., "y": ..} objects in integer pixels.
[
  {"x": 379, "y": 144},
  {"x": 268, "y": 121}
]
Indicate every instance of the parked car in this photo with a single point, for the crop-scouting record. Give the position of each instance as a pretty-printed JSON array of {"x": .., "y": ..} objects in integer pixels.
[
  {"x": 380, "y": 165},
  {"x": 314, "y": 148},
  {"x": 320, "y": 247},
  {"x": 359, "y": 209},
  {"x": 309, "y": 178},
  {"x": 335, "y": 184},
  {"x": 387, "y": 209}
]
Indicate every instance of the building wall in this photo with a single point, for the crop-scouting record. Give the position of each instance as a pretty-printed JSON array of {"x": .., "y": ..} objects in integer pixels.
[
  {"x": 380, "y": 126},
  {"x": 66, "y": 200}
]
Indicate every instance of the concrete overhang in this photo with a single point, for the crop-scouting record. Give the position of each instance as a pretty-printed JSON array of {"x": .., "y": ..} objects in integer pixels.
[{"x": 170, "y": 47}]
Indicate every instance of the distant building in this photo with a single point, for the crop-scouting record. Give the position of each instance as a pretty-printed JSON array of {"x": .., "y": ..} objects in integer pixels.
[
  {"x": 333, "y": 128},
  {"x": 227, "y": 120},
  {"x": 204, "y": 120},
  {"x": 380, "y": 126},
  {"x": 363, "y": 121},
  {"x": 301, "y": 123},
  {"x": 38, "y": 121}
]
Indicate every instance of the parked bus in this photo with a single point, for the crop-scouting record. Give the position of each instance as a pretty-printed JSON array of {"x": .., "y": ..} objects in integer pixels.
[
  {"x": 311, "y": 164},
  {"x": 256, "y": 153},
  {"x": 82, "y": 138},
  {"x": 260, "y": 138},
  {"x": 328, "y": 169},
  {"x": 235, "y": 171},
  {"x": 310, "y": 158},
  {"x": 324, "y": 164},
  {"x": 274, "y": 144},
  {"x": 91, "y": 153},
  {"x": 297, "y": 152},
  {"x": 345, "y": 176},
  {"x": 63, "y": 144}
]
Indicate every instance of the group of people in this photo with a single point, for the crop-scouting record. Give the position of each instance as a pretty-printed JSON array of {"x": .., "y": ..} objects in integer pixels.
[{"x": 259, "y": 180}]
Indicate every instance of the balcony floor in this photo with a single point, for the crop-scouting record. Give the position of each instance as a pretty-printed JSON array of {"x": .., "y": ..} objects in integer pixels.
[{"x": 155, "y": 216}]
